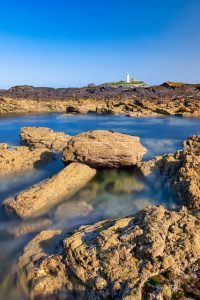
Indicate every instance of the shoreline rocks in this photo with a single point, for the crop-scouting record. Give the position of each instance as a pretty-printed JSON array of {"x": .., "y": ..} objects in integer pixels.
[
  {"x": 43, "y": 196},
  {"x": 42, "y": 137},
  {"x": 166, "y": 99},
  {"x": 112, "y": 258},
  {"x": 102, "y": 148},
  {"x": 179, "y": 172},
  {"x": 16, "y": 159}
]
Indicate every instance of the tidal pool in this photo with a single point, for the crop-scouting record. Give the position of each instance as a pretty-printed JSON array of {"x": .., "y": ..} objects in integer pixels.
[{"x": 111, "y": 194}]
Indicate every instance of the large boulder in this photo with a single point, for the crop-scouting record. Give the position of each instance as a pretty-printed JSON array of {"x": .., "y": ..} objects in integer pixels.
[
  {"x": 179, "y": 172},
  {"x": 43, "y": 196},
  {"x": 40, "y": 137},
  {"x": 18, "y": 159},
  {"x": 102, "y": 148},
  {"x": 111, "y": 259}
]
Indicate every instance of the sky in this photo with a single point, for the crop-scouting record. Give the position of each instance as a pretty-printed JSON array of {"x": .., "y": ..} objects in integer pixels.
[{"x": 69, "y": 43}]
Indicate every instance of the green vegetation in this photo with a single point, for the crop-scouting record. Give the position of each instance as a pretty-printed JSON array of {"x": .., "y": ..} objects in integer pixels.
[
  {"x": 121, "y": 82},
  {"x": 154, "y": 280},
  {"x": 174, "y": 84}
]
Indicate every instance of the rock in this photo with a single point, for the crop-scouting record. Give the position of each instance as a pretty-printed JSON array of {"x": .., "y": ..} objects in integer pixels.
[
  {"x": 22, "y": 158},
  {"x": 167, "y": 99},
  {"x": 29, "y": 227},
  {"x": 40, "y": 137},
  {"x": 44, "y": 244},
  {"x": 72, "y": 214},
  {"x": 101, "y": 148},
  {"x": 3, "y": 146},
  {"x": 180, "y": 172},
  {"x": 111, "y": 259},
  {"x": 43, "y": 196},
  {"x": 72, "y": 209}
]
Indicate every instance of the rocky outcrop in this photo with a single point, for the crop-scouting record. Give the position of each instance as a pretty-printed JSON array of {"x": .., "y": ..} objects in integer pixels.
[
  {"x": 111, "y": 259},
  {"x": 43, "y": 196},
  {"x": 40, "y": 137},
  {"x": 168, "y": 99},
  {"x": 180, "y": 172},
  {"x": 101, "y": 148},
  {"x": 18, "y": 159}
]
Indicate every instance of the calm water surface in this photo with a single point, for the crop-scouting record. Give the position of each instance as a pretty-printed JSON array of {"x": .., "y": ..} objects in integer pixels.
[{"x": 112, "y": 193}]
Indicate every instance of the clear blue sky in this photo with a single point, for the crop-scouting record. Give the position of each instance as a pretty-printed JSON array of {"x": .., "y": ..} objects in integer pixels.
[{"x": 74, "y": 42}]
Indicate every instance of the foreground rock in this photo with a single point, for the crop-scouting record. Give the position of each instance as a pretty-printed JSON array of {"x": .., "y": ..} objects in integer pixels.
[
  {"x": 101, "y": 148},
  {"x": 43, "y": 196},
  {"x": 111, "y": 259},
  {"x": 40, "y": 137},
  {"x": 180, "y": 172},
  {"x": 18, "y": 159}
]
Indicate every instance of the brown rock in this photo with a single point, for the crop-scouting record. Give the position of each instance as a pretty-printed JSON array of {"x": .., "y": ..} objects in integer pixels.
[
  {"x": 43, "y": 196},
  {"x": 180, "y": 172},
  {"x": 111, "y": 259},
  {"x": 3, "y": 146},
  {"x": 101, "y": 148},
  {"x": 168, "y": 99},
  {"x": 40, "y": 137},
  {"x": 22, "y": 158}
]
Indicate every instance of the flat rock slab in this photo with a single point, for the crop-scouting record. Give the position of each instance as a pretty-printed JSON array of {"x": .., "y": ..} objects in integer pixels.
[
  {"x": 43, "y": 196},
  {"x": 112, "y": 259},
  {"x": 101, "y": 148},
  {"x": 18, "y": 159},
  {"x": 40, "y": 137}
]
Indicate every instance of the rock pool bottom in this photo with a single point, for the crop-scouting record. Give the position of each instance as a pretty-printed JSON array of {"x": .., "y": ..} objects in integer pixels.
[{"x": 112, "y": 193}]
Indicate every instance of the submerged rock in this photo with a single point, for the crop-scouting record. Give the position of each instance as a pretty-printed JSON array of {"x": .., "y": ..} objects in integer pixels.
[
  {"x": 18, "y": 159},
  {"x": 29, "y": 227},
  {"x": 111, "y": 259},
  {"x": 180, "y": 172},
  {"x": 102, "y": 148},
  {"x": 40, "y": 137},
  {"x": 43, "y": 196}
]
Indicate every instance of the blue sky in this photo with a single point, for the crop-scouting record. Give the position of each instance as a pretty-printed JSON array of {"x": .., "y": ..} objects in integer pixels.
[{"x": 75, "y": 42}]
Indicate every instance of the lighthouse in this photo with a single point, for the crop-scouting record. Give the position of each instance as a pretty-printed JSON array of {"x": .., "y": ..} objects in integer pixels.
[{"x": 127, "y": 77}]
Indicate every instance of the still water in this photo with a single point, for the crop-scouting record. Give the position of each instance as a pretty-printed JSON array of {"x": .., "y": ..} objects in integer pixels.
[{"x": 112, "y": 193}]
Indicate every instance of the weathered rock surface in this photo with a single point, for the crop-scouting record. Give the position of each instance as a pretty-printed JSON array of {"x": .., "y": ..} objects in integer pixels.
[
  {"x": 102, "y": 148},
  {"x": 3, "y": 146},
  {"x": 40, "y": 137},
  {"x": 111, "y": 259},
  {"x": 180, "y": 172},
  {"x": 17, "y": 159},
  {"x": 41, "y": 197},
  {"x": 167, "y": 99}
]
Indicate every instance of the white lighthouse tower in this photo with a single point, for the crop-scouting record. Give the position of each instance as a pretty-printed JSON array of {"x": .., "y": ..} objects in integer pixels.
[{"x": 127, "y": 78}]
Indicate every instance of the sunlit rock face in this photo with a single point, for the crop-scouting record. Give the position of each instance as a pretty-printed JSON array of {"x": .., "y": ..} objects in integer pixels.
[
  {"x": 45, "y": 195},
  {"x": 167, "y": 99},
  {"x": 102, "y": 148},
  {"x": 13, "y": 160},
  {"x": 110, "y": 259},
  {"x": 41, "y": 137},
  {"x": 180, "y": 172}
]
